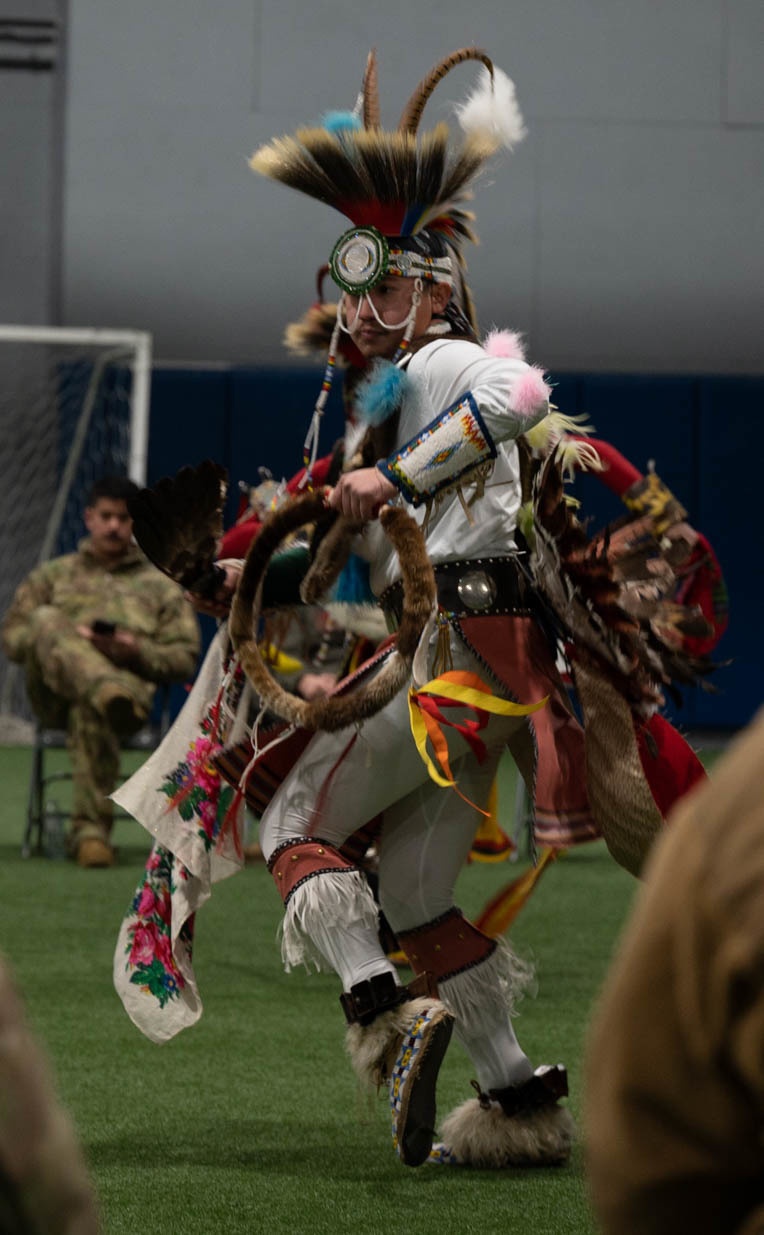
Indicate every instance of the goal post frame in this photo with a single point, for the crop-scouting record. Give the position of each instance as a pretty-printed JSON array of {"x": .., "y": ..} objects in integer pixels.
[{"x": 140, "y": 341}]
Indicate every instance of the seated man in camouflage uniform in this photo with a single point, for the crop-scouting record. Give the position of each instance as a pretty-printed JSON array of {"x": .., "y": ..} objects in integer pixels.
[{"x": 96, "y": 630}]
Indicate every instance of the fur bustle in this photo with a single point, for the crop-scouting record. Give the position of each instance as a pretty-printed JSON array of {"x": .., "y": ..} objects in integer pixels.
[
  {"x": 373, "y": 1048},
  {"x": 506, "y": 344},
  {"x": 344, "y": 896},
  {"x": 486, "y": 1137},
  {"x": 502, "y": 977}
]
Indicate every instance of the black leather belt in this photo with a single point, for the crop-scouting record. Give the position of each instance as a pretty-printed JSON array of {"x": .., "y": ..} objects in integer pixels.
[{"x": 475, "y": 587}]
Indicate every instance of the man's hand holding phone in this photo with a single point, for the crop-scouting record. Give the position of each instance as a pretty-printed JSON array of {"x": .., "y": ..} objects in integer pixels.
[{"x": 120, "y": 646}]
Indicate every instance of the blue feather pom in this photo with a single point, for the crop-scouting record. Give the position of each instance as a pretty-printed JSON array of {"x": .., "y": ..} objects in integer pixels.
[
  {"x": 340, "y": 121},
  {"x": 381, "y": 393},
  {"x": 353, "y": 586}
]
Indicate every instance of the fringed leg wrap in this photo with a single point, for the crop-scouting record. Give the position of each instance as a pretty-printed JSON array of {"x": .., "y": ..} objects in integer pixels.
[
  {"x": 446, "y": 946},
  {"x": 497, "y": 981},
  {"x": 522, "y": 1125},
  {"x": 467, "y": 965},
  {"x": 298, "y": 860},
  {"x": 399, "y": 1038},
  {"x": 318, "y": 886}
]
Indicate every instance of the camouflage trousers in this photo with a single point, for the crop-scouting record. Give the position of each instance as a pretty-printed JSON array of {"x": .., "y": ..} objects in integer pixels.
[{"x": 65, "y": 677}]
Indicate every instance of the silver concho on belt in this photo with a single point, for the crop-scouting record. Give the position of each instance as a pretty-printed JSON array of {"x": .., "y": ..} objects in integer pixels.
[{"x": 477, "y": 591}]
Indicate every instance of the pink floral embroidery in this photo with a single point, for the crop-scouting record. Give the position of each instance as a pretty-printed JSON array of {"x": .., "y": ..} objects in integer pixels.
[
  {"x": 149, "y": 947},
  {"x": 197, "y": 791}
]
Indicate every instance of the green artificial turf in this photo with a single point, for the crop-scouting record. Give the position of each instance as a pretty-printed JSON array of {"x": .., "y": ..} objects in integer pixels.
[{"x": 251, "y": 1121}]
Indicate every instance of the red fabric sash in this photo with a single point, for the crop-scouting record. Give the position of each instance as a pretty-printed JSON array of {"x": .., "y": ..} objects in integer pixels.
[{"x": 518, "y": 655}]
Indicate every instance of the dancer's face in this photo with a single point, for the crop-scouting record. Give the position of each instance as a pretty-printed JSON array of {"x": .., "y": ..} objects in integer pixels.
[{"x": 391, "y": 298}]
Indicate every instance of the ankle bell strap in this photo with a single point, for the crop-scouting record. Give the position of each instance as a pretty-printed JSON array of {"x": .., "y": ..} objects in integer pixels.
[
  {"x": 542, "y": 1089},
  {"x": 365, "y": 1001}
]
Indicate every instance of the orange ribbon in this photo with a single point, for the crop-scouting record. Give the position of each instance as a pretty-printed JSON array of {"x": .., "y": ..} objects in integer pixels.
[{"x": 457, "y": 688}]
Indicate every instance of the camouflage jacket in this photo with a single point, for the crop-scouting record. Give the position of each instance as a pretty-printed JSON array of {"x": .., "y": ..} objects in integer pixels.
[{"x": 132, "y": 593}]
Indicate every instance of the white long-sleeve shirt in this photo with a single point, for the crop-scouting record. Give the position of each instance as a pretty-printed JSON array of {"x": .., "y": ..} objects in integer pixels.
[{"x": 440, "y": 374}]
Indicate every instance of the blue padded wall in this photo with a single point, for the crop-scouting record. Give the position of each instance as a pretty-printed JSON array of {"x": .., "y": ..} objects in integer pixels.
[
  {"x": 190, "y": 419},
  {"x": 730, "y": 474},
  {"x": 271, "y": 410}
]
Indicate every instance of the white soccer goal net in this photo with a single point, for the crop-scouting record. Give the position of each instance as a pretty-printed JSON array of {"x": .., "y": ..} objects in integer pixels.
[{"x": 74, "y": 407}]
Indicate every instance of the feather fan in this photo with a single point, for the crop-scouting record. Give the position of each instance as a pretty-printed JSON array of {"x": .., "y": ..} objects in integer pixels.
[{"x": 179, "y": 521}]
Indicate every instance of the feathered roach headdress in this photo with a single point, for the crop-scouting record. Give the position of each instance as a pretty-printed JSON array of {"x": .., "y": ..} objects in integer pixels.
[{"x": 403, "y": 192}]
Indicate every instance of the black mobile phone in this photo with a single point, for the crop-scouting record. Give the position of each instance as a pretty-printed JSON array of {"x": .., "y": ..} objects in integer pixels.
[{"x": 99, "y": 627}]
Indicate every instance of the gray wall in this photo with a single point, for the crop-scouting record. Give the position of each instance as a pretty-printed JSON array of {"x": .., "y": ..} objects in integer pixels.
[
  {"x": 30, "y": 147},
  {"x": 624, "y": 234}
]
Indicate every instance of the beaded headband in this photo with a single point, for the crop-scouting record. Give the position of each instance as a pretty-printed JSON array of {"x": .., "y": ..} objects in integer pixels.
[{"x": 362, "y": 257}]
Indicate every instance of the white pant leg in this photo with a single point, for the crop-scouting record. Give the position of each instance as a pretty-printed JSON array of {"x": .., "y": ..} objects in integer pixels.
[
  {"x": 353, "y": 784},
  {"x": 427, "y": 836}
]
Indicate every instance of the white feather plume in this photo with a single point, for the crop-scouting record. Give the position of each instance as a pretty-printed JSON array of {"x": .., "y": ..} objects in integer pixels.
[{"x": 492, "y": 110}]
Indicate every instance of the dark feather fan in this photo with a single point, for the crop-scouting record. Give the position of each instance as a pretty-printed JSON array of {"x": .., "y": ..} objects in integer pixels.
[
  {"x": 614, "y": 593},
  {"x": 178, "y": 524}
]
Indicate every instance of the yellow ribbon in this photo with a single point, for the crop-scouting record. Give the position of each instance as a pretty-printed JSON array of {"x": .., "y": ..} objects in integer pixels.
[{"x": 469, "y": 690}]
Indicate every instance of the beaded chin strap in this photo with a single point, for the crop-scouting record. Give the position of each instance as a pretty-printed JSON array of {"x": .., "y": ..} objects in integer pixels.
[{"x": 310, "y": 446}]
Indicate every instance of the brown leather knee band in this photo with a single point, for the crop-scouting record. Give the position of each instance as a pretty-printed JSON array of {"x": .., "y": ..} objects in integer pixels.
[
  {"x": 298, "y": 860},
  {"x": 446, "y": 946}
]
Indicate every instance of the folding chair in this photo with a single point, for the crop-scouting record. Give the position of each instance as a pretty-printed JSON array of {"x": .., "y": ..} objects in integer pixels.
[{"x": 44, "y": 834}]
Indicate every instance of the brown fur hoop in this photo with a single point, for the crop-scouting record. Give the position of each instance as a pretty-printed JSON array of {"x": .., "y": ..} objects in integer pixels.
[{"x": 333, "y": 712}]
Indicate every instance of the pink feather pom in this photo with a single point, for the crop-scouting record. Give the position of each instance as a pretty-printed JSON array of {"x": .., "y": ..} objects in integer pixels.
[
  {"x": 505, "y": 343},
  {"x": 529, "y": 392}
]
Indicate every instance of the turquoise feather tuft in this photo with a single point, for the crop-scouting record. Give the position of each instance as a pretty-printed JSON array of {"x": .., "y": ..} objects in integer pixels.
[
  {"x": 353, "y": 586},
  {"x": 340, "y": 121},
  {"x": 381, "y": 393}
]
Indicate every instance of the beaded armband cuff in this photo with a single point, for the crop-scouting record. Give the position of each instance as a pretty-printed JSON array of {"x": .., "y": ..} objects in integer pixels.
[{"x": 453, "y": 444}]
